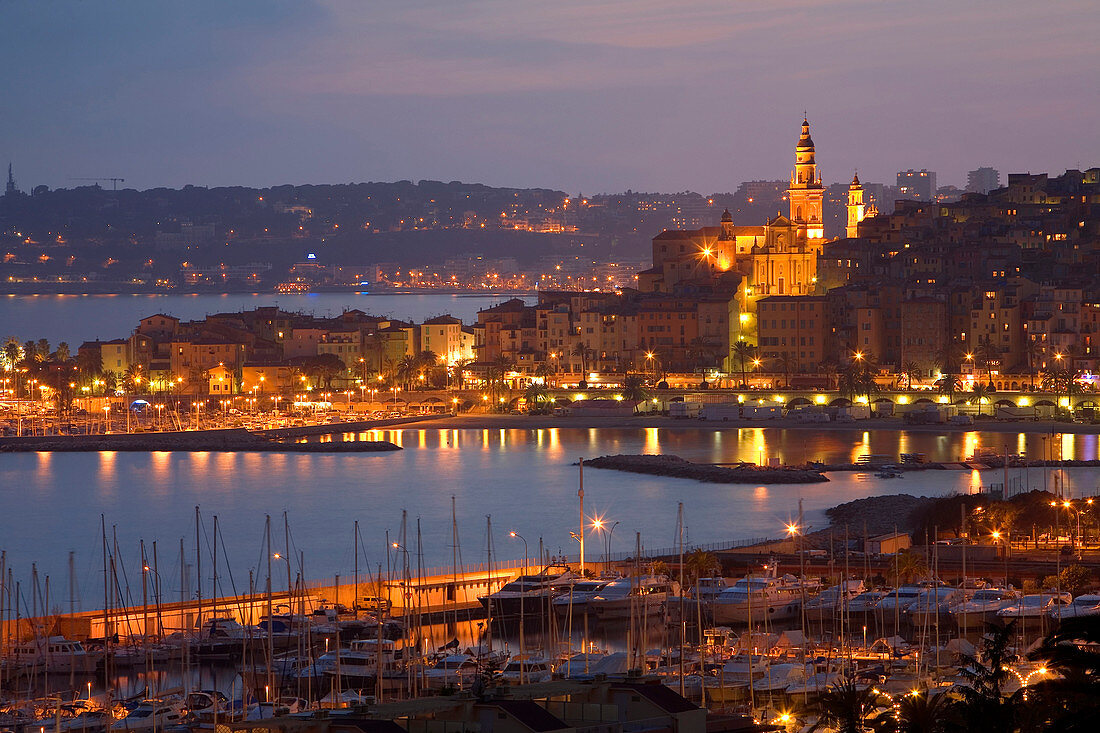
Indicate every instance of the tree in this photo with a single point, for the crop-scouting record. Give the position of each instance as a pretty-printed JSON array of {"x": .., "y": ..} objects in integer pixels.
[
  {"x": 1070, "y": 702},
  {"x": 1032, "y": 350},
  {"x": 912, "y": 371},
  {"x": 89, "y": 363},
  {"x": 950, "y": 384},
  {"x": 1073, "y": 580},
  {"x": 535, "y": 393},
  {"x": 700, "y": 564},
  {"x": 980, "y": 393},
  {"x": 744, "y": 350},
  {"x": 407, "y": 368},
  {"x": 13, "y": 352},
  {"x": 134, "y": 377},
  {"x": 949, "y": 357},
  {"x": 62, "y": 354},
  {"x": 844, "y": 706},
  {"x": 42, "y": 350},
  {"x": 583, "y": 352},
  {"x": 325, "y": 367},
  {"x": 920, "y": 712},
  {"x": 986, "y": 355},
  {"x": 634, "y": 388},
  {"x": 908, "y": 566},
  {"x": 984, "y": 706},
  {"x": 786, "y": 363}
]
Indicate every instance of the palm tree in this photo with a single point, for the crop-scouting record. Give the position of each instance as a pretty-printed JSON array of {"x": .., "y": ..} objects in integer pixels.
[
  {"x": 406, "y": 369},
  {"x": 42, "y": 350},
  {"x": 950, "y": 384},
  {"x": 90, "y": 363},
  {"x": 980, "y": 392},
  {"x": 583, "y": 352},
  {"x": 908, "y": 566},
  {"x": 535, "y": 393},
  {"x": 12, "y": 353},
  {"x": 134, "y": 377},
  {"x": 949, "y": 357},
  {"x": 744, "y": 350},
  {"x": 700, "y": 564},
  {"x": 911, "y": 370},
  {"x": 62, "y": 354},
  {"x": 1071, "y": 702},
  {"x": 786, "y": 363},
  {"x": 544, "y": 371},
  {"x": 984, "y": 706},
  {"x": 921, "y": 712},
  {"x": 986, "y": 355},
  {"x": 1032, "y": 350},
  {"x": 844, "y": 707},
  {"x": 634, "y": 388}
]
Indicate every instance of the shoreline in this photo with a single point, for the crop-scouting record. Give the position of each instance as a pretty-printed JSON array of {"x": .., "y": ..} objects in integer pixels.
[{"x": 541, "y": 422}]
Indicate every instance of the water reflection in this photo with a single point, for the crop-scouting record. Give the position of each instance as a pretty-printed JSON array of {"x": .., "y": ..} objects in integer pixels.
[{"x": 526, "y": 479}]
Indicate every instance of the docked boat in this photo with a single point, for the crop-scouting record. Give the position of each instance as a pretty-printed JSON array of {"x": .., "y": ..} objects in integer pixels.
[
  {"x": 933, "y": 604},
  {"x": 152, "y": 715},
  {"x": 637, "y": 597},
  {"x": 754, "y": 599},
  {"x": 982, "y": 607},
  {"x": 357, "y": 665},
  {"x": 1083, "y": 605},
  {"x": 578, "y": 596},
  {"x": 527, "y": 670},
  {"x": 528, "y": 594},
  {"x": 897, "y": 600},
  {"x": 1035, "y": 606},
  {"x": 89, "y": 721},
  {"x": 456, "y": 670},
  {"x": 707, "y": 589},
  {"x": 833, "y": 600},
  {"x": 54, "y": 654}
]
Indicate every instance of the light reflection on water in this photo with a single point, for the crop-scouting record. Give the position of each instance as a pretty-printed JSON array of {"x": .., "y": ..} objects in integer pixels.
[{"x": 524, "y": 478}]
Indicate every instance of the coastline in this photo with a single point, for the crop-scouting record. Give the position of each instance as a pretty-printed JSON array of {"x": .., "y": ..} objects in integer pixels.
[{"x": 540, "y": 422}]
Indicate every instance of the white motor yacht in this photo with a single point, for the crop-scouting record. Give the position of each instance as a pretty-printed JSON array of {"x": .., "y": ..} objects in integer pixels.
[
  {"x": 755, "y": 599},
  {"x": 931, "y": 604},
  {"x": 1035, "y": 606},
  {"x": 982, "y": 607},
  {"x": 577, "y": 596},
  {"x": 528, "y": 594},
  {"x": 1083, "y": 605},
  {"x": 53, "y": 654},
  {"x": 897, "y": 600},
  {"x": 644, "y": 596},
  {"x": 527, "y": 670},
  {"x": 833, "y": 600},
  {"x": 150, "y": 715},
  {"x": 357, "y": 665},
  {"x": 456, "y": 670}
]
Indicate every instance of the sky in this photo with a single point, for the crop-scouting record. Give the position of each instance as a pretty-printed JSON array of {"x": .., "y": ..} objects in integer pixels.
[{"x": 580, "y": 95}]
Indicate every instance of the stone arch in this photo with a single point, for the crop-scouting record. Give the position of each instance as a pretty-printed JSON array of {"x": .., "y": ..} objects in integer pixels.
[
  {"x": 799, "y": 402},
  {"x": 840, "y": 402}
]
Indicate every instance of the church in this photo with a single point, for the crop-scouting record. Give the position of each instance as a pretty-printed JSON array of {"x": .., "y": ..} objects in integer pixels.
[{"x": 777, "y": 258}]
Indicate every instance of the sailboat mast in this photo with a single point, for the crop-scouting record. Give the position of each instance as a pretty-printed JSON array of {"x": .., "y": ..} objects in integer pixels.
[
  {"x": 355, "y": 551},
  {"x": 580, "y": 495},
  {"x": 198, "y": 565},
  {"x": 683, "y": 621},
  {"x": 270, "y": 621}
]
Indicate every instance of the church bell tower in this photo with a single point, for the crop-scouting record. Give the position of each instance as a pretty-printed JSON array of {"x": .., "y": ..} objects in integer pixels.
[
  {"x": 856, "y": 207},
  {"x": 806, "y": 192}
]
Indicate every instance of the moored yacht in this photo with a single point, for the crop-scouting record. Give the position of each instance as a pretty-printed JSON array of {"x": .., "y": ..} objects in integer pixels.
[
  {"x": 753, "y": 599},
  {"x": 578, "y": 596},
  {"x": 1083, "y": 605},
  {"x": 528, "y": 594},
  {"x": 833, "y": 600},
  {"x": 53, "y": 654},
  {"x": 643, "y": 596},
  {"x": 982, "y": 607}
]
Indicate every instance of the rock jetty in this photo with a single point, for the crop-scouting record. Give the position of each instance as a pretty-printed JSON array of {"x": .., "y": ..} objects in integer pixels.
[{"x": 677, "y": 467}]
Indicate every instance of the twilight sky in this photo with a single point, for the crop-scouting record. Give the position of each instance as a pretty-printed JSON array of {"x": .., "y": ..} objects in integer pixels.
[{"x": 588, "y": 95}]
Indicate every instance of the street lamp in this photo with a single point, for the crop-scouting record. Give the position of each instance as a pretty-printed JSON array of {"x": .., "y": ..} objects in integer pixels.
[{"x": 522, "y": 594}]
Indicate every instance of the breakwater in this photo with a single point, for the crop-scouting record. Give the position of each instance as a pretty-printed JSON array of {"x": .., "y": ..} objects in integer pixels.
[
  {"x": 232, "y": 439},
  {"x": 677, "y": 467}
]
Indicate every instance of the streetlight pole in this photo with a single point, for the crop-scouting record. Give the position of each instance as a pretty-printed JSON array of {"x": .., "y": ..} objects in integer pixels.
[
  {"x": 610, "y": 533},
  {"x": 522, "y": 615}
]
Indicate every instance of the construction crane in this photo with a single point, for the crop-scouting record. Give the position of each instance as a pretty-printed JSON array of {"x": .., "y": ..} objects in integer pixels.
[{"x": 114, "y": 181}]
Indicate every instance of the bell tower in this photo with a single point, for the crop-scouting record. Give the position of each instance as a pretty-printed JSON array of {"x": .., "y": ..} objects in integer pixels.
[
  {"x": 856, "y": 207},
  {"x": 806, "y": 192}
]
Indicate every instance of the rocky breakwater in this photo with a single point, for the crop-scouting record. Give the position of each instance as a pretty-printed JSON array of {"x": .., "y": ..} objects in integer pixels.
[
  {"x": 678, "y": 467},
  {"x": 190, "y": 440}
]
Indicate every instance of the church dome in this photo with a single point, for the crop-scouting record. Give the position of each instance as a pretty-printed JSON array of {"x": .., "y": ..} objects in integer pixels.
[
  {"x": 805, "y": 141},
  {"x": 727, "y": 217}
]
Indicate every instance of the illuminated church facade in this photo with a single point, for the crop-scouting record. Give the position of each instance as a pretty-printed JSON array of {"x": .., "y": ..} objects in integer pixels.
[{"x": 777, "y": 258}]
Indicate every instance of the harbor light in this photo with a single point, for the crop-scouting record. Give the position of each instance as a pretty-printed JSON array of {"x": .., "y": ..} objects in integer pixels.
[
  {"x": 820, "y": 399},
  {"x": 943, "y": 400},
  {"x": 1063, "y": 401},
  {"x": 1023, "y": 402}
]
